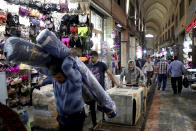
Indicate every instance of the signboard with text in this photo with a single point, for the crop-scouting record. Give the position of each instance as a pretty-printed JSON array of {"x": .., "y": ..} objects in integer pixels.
[{"x": 191, "y": 25}]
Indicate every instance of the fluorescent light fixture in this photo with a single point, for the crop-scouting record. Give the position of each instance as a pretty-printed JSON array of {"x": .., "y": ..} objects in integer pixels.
[
  {"x": 149, "y": 36},
  {"x": 119, "y": 25},
  {"x": 135, "y": 17},
  {"x": 127, "y": 7}
]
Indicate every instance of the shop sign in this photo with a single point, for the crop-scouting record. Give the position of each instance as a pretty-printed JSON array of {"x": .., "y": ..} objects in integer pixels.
[{"x": 191, "y": 25}]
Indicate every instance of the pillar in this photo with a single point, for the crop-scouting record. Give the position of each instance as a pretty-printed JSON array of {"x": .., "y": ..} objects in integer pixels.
[
  {"x": 124, "y": 47},
  {"x": 132, "y": 48}
]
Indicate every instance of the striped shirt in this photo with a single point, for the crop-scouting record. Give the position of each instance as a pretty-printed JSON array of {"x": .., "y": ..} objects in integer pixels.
[{"x": 162, "y": 67}]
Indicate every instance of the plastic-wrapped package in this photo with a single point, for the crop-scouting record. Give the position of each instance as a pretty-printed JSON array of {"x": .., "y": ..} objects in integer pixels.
[
  {"x": 50, "y": 43},
  {"x": 96, "y": 90},
  {"x": 19, "y": 50}
]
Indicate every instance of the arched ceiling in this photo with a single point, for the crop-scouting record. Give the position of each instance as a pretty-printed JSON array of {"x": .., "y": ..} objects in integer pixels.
[{"x": 155, "y": 13}]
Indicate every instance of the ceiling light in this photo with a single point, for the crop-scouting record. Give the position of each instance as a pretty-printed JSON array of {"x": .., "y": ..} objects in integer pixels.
[
  {"x": 119, "y": 25},
  {"x": 149, "y": 36},
  {"x": 127, "y": 7}
]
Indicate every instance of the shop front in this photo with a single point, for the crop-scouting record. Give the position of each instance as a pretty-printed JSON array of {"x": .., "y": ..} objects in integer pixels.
[
  {"x": 70, "y": 22},
  {"x": 188, "y": 47}
]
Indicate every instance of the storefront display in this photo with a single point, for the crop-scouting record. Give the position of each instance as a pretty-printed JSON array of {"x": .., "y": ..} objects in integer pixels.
[
  {"x": 75, "y": 26},
  {"x": 97, "y": 33},
  {"x": 188, "y": 43},
  {"x": 69, "y": 20},
  {"x": 139, "y": 52}
]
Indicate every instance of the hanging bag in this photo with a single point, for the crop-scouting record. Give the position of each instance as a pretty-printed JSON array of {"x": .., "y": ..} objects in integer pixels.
[{"x": 185, "y": 82}]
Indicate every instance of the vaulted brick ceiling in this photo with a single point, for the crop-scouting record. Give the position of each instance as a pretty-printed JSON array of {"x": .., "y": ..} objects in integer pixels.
[{"x": 155, "y": 13}]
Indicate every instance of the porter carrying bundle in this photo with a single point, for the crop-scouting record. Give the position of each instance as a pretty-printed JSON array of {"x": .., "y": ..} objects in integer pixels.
[{"x": 52, "y": 45}]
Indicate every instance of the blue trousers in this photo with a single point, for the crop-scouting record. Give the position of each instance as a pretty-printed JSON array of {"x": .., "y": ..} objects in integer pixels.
[{"x": 162, "y": 77}]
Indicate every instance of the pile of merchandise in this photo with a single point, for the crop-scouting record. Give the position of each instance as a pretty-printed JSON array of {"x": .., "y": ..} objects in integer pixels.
[
  {"x": 17, "y": 85},
  {"x": 44, "y": 108}
]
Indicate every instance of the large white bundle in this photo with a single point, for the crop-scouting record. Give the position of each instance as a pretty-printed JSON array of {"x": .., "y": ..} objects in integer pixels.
[{"x": 44, "y": 108}]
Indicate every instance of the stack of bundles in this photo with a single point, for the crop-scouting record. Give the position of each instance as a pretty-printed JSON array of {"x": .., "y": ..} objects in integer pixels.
[
  {"x": 44, "y": 108},
  {"x": 52, "y": 45},
  {"x": 19, "y": 50}
]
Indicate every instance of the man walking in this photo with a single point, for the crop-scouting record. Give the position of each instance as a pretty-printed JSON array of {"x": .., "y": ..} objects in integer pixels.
[
  {"x": 149, "y": 67},
  {"x": 99, "y": 69},
  {"x": 176, "y": 68},
  {"x": 162, "y": 67}
]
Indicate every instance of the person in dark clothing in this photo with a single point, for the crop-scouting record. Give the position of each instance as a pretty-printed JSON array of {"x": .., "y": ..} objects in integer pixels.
[
  {"x": 143, "y": 61},
  {"x": 99, "y": 69},
  {"x": 10, "y": 120},
  {"x": 176, "y": 68},
  {"x": 138, "y": 63},
  {"x": 67, "y": 84}
]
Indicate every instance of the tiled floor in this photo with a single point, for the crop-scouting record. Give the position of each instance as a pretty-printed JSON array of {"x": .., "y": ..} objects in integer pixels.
[{"x": 170, "y": 112}]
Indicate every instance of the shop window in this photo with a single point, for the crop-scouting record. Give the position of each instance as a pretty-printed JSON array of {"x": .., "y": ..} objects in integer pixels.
[
  {"x": 137, "y": 4},
  {"x": 177, "y": 20},
  {"x": 132, "y": 13},
  {"x": 169, "y": 34},
  {"x": 172, "y": 18},
  {"x": 169, "y": 23},
  {"x": 172, "y": 32},
  {"x": 118, "y": 2},
  {"x": 190, "y": 2},
  {"x": 181, "y": 9},
  {"x": 97, "y": 21},
  {"x": 166, "y": 36}
]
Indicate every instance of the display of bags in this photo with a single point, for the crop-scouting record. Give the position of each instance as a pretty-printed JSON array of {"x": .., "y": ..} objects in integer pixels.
[{"x": 23, "y": 11}]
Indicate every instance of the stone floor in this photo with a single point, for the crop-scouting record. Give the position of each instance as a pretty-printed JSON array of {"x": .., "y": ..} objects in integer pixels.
[
  {"x": 170, "y": 112},
  {"x": 167, "y": 112}
]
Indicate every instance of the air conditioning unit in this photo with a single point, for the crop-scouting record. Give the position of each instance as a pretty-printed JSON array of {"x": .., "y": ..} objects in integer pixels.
[{"x": 129, "y": 102}]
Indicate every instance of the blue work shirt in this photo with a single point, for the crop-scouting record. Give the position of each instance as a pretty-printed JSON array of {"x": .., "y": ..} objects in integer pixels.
[
  {"x": 68, "y": 95},
  {"x": 176, "y": 68}
]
